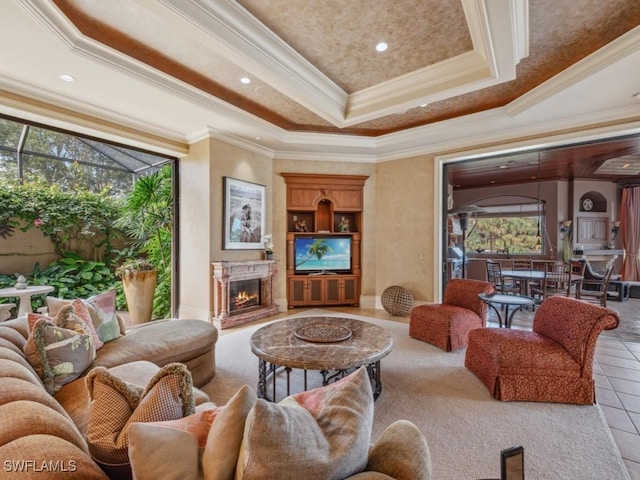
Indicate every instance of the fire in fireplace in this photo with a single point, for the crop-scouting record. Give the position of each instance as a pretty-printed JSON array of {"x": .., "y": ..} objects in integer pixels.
[{"x": 244, "y": 294}]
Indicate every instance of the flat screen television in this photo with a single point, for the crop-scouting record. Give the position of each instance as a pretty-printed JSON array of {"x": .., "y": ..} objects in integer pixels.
[{"x": 320, "y": 254}]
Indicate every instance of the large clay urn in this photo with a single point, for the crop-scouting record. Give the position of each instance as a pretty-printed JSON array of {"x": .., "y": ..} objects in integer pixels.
[{"x": 139, "y": 287}]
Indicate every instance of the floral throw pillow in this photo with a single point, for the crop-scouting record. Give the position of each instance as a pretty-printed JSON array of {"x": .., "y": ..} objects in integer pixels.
[
  {"x": 59, "y": 350},
  {"x": 102, "y": 309}
]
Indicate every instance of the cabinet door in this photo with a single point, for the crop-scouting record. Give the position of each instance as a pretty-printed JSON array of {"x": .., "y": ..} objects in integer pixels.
[
  {"x": 333, "y": 287},
  {"x": 298, "y": 291},
  {"x": 350, "y": 290},
  {"x": 592, "y": 230},
  {"x": 315, "y": 291}
]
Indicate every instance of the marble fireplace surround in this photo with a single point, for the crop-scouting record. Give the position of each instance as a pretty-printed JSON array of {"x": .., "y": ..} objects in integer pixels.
[{"x": 224, "y": 273}]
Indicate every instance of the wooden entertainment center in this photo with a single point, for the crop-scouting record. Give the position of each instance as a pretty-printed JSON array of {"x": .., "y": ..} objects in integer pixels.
[{"x": 326, "y": 208}]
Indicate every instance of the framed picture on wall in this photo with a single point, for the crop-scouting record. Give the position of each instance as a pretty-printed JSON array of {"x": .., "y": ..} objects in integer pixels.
[{"x": 244, "y": 214}]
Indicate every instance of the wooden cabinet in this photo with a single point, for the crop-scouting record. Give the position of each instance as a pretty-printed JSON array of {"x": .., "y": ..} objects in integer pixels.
[
  {"x": 327, "y": 205},
  {"x": 593, "y": 230},
  {"x": 310, "y": 290}
]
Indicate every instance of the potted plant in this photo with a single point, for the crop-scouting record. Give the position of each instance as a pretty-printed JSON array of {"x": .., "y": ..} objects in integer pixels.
[
  {"x": 267, "y": 243},
  {"x": 139, "y": 284}
]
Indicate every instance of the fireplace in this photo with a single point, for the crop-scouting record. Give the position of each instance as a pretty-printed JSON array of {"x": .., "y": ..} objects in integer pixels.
[
  {"x": 242, "y": 292},
  {"x": 243, "y": 295}
]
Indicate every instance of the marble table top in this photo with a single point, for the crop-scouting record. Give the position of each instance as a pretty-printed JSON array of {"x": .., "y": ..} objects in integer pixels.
[{"x": 278, "y": 344}]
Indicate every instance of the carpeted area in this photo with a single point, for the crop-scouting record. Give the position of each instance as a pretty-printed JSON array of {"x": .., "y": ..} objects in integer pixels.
[{"x": 464, "y": 426}]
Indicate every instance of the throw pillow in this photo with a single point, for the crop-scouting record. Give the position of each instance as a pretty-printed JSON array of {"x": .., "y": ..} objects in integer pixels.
[
  {"x": 321, "y": 433},
  {"x": 81, "y": 310},
  {"x": 173, "y": 447},
  {"x": 115, "y": 405},
  {"x": 102, "y": 308},
  {"x": 59, "y": 349},
  {"x": 204, "y": 445}
]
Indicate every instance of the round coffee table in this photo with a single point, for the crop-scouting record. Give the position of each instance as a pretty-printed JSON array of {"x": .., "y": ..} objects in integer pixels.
[{"x": 332, "y": 345}]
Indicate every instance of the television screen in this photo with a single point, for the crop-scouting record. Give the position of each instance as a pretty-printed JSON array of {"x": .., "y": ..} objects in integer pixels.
[{"x": 323, "y": 254}]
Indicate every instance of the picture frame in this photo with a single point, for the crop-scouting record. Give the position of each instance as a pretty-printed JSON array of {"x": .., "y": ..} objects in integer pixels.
[{"x": 244, "y": 214}]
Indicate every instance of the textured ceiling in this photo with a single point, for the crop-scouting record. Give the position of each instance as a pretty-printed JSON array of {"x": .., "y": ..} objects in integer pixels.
[{"x": 334, "y": 40}]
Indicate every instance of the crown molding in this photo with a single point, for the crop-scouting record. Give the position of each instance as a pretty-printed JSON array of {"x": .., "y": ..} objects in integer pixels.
[
  {"x": 27, "y": 102},
  {"x": 611, "y": 53},
  {"x": 226, "y": 27}
]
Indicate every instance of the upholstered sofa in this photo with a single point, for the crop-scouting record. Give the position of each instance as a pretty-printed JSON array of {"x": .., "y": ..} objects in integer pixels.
[
  {"x": 43, "y": 436},
  {"x": 46, "y": 437}
]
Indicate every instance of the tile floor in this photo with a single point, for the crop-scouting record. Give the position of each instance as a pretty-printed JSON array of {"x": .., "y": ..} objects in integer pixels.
[{"x": 616, "y": 373}]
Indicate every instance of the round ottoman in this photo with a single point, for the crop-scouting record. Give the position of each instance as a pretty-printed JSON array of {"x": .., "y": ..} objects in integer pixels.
[{"x": 397, "y": 300}]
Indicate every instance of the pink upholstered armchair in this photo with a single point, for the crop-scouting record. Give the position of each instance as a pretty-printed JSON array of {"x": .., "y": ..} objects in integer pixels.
[
  {"x": 447, "y": 324},
  {"x": 552, "y": 363}
]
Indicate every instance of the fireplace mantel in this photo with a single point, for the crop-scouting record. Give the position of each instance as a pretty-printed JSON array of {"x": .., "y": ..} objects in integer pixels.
[{"x": 224, "y": 273}]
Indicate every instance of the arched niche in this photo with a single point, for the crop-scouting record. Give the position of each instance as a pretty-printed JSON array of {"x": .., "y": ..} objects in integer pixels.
[{"x": 592, "y": 202}]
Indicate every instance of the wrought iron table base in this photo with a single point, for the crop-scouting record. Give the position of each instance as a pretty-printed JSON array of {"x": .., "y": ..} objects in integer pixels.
[{"x": 267, "y": 373}]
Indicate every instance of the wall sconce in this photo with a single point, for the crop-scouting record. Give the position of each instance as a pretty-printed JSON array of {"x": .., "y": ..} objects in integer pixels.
[
  {"x": 615, "y": 228},
  {"x": 565, "y": 228}
]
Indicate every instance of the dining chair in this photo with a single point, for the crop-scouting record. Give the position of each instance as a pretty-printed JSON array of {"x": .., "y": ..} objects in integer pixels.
[
  {"x": 595, "y": 290},
  {"x": 556, "y": 281},
  {"x": 500, "y": 283},
  {"x": 523, "y": 265},
  {"x": 577, "y": 270}
]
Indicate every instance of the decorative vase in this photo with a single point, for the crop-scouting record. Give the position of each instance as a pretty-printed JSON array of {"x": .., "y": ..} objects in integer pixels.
[{"x": 139, "y": 288}]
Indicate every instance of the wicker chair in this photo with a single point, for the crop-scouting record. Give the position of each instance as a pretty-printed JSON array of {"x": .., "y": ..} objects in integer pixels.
[
  {"x": 446, "y": 325},
  {"x": 552, "y": 363}
]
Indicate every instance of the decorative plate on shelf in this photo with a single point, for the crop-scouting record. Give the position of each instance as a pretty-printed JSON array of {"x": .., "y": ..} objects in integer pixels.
[{"x": 323, "y": 333}]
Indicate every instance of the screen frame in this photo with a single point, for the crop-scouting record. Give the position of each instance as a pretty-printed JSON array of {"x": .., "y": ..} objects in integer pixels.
[
  {"x": 329, "y": 237},
  {"x": 509, "y": 457}
]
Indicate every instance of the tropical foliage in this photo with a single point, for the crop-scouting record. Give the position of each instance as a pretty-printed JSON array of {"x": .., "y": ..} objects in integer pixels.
[
  {"x": 508, "y": 234},
  {"x": 71, "y": 277},
  {"x": 147, "y": 219},
  {"x": 73, "y": 220}
]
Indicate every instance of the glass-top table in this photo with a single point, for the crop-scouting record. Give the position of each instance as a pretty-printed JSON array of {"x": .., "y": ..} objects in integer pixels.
[{"x": 506, "y": 301}]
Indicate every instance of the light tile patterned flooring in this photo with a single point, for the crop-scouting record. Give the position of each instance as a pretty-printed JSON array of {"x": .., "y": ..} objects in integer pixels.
[{"x": 616, "y": 373}]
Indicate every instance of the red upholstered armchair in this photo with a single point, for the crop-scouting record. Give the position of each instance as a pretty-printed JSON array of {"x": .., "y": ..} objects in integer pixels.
[
  {"x": 552, "y": 363},
  {"x": 447, "y": 324}
]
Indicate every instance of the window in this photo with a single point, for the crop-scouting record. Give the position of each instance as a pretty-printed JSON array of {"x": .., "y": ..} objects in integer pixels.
[{"x": 513, "y": 229}]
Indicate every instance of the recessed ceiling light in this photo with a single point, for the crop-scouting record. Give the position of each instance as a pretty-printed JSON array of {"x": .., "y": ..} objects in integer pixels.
[
  {"x": 626, "y": 165},
  {"x": 503, "y": 166},
  {"x": 381, "y": 47},
  {"x": 67, "y": 78},
  {"x": 245, "y": 80},
  {"x": 636, "y": 95},
  {"x": 422, "y": 105}
]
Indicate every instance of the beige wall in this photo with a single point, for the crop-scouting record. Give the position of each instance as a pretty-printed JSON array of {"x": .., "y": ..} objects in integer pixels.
[
  {"x": 201, "y": 216},
  {"x": 20, "y": 251},
  {"x": 405, "y": 226}
]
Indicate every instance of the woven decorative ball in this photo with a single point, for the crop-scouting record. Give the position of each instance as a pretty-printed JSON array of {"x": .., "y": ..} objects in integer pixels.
[{"x": 397, "y": 300}]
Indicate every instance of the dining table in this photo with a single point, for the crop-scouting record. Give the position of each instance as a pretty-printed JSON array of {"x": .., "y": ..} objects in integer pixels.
[{"x": 527, "y": 276}]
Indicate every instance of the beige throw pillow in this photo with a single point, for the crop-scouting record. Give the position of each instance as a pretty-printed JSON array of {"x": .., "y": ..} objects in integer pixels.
[
  {"x": 203, "y": 445},
  {"x": 322, "y": 433}
]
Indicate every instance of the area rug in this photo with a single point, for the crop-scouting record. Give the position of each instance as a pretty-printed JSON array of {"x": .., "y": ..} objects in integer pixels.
[{"x": 464, "y": 426}]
